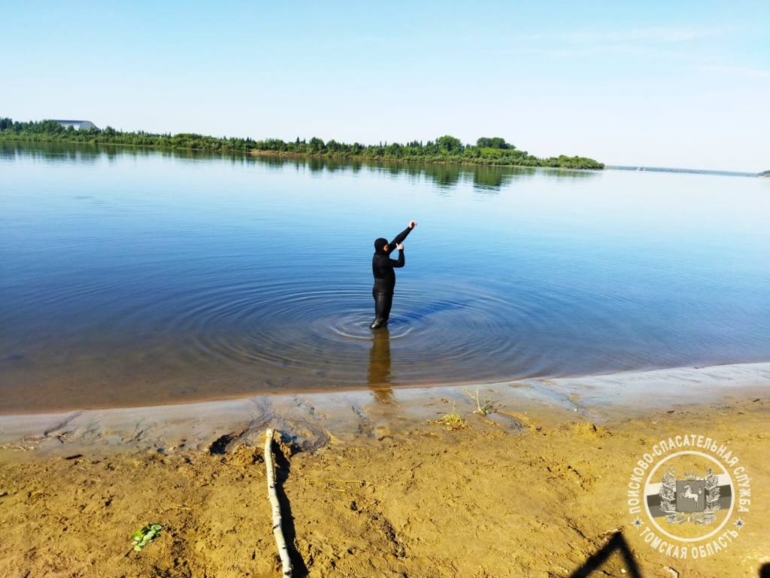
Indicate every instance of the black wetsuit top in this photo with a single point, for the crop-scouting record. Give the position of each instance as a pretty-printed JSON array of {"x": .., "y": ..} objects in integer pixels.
[{"x": 383, "y": 265}]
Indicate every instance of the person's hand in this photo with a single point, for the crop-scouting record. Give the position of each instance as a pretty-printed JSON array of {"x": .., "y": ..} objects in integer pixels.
[
  {"x": 400, "y": 246},
  {"x": 412, "y": 224}
]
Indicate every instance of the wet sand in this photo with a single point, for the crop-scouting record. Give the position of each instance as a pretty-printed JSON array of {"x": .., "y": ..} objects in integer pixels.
[{"x": 373, "y": 483}]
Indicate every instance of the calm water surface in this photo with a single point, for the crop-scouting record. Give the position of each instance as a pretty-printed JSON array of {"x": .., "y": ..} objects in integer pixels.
[{"x": 132, "y": 278}]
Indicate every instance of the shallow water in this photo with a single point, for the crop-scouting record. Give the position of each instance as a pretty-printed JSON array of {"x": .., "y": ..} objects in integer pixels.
[{"x": 134, "y": 278}]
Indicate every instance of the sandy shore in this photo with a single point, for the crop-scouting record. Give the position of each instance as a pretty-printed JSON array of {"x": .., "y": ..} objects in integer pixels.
[{"x": 375, "y": 484}]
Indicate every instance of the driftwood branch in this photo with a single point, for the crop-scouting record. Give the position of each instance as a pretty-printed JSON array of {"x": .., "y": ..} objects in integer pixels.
[{"x": 283, "y": 551}]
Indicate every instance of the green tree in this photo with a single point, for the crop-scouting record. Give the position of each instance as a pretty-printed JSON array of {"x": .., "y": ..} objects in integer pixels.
[
  {"x": 316, "y": 145},
  {"x": 495, "y": 142},
  {"x": 449, "y": 143}
]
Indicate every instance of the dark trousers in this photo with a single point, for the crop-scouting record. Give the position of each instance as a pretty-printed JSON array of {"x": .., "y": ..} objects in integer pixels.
[{"x": 382, "y": 303}]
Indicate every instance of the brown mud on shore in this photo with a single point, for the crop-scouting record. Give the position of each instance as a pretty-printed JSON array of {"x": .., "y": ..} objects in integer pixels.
[{"x": 533, "y": 489}]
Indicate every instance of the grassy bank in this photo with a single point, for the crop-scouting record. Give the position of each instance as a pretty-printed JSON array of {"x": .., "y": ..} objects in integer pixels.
[{"x": 445, "y": 149}]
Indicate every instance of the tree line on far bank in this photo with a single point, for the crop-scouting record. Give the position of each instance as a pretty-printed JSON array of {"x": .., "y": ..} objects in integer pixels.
[{"x": 486, "y": 151}]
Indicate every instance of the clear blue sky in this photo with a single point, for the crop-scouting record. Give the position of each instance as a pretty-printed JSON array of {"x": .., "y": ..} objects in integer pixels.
[{"x": 659, "y": 82}]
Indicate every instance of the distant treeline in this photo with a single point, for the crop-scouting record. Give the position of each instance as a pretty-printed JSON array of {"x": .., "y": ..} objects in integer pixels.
[
  {"x": 765, "y": 174},
  {"x": 486, "y": 151}
]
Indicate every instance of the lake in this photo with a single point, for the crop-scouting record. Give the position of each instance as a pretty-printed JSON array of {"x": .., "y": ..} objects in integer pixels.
[{"x": 132, "y": 278}]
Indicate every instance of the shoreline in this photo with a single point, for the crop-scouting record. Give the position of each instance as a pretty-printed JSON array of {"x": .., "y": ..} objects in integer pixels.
[
  {"x": 406, "y": 161},
  {"x": 371, "y": 485},
  {"x": 387, "y": 161},
  {"x": 316, "y": 417},
  {"x": 331, "y": 157}
]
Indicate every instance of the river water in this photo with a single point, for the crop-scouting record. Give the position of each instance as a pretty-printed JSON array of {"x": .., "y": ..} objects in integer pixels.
[{"x": 139, "y": 278}]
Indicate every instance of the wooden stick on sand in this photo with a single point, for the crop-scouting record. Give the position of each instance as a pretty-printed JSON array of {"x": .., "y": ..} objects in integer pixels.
[{"x": 283, "y": 551}]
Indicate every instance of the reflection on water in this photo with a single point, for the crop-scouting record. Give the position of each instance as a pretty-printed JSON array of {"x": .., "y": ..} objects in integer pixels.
[
  {"x": 130, "y": 276},
  {"x": 378, "y": 377},
  {"x": 65, "y": 152},
  {"x": 53, "y": 152},
  {"x": 447, "y": 176}
]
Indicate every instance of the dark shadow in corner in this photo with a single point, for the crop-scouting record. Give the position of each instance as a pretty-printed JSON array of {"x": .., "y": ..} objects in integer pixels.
[
  {"x": 764, "y": 570},
  {"x": 617, "y": 542},
  {"x": 283, "y": 469}
]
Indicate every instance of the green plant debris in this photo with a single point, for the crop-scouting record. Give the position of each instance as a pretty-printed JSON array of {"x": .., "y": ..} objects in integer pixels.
[
  {"x": 482, "y": 409},
  {"x": 452, "y": 420},
  {"x": 146, "y": 535}
]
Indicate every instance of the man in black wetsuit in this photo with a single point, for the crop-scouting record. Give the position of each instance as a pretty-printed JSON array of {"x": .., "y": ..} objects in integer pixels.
[{"x": 384, "y": 276}]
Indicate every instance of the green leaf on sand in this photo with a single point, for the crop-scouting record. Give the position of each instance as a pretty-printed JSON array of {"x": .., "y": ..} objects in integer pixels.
[{"x": 147, "y": 534}]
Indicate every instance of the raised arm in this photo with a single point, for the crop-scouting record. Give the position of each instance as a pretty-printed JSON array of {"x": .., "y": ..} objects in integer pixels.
[{"x": 400, "y": 238}]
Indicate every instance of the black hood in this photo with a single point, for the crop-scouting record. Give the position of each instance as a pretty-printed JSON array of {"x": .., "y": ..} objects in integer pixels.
[{"x": 379, "y": 245}]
